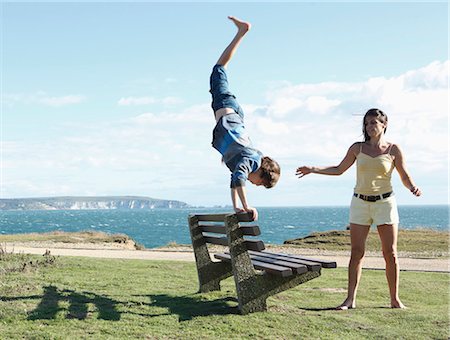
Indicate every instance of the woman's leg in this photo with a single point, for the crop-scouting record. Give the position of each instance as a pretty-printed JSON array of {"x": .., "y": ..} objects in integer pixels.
[
  {"x": 388, "y": 235},
  {"x": 227, "y": 54},
  {"x": 358, "y": 236}
]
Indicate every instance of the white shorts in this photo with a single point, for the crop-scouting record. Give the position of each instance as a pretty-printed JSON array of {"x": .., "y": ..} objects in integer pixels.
[{"x": 380, "y": 212}]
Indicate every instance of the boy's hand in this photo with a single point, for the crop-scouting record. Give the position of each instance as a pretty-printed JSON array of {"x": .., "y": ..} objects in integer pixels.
[
  {"x": 239, "y": 210},
  {"x": 252, "y": 211}
]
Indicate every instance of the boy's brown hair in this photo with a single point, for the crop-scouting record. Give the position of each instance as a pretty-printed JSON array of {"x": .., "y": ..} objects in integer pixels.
[{"x": 270, "y": 172}]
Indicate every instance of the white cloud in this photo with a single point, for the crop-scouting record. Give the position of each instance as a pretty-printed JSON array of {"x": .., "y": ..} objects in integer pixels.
[
  {"x": 320, "y": 104},
  {"x": 416, "y": 103},
  {"x": 168, "y": 153}
]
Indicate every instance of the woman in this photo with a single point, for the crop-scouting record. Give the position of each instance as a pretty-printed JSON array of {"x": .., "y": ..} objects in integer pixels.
[{"x": 373, "y": 201}]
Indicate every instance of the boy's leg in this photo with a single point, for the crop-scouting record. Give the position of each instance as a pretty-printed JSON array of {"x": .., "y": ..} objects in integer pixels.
[
  {"x": 227, "y": 54},
  {"x": 224, "y": 102}
]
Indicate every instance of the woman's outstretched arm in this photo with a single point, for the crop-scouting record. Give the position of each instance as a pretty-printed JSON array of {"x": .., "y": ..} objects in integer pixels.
[{"x": 346, "y": 163}]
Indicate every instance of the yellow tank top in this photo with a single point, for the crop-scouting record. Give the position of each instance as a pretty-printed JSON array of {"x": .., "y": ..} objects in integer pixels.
[{"x": 373, "y": 174}]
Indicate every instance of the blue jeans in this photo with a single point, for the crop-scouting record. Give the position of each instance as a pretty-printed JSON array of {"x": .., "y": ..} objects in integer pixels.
[{"x": 221, "y": 95}]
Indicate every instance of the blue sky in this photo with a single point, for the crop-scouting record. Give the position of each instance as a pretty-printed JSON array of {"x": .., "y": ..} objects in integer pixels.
[{"x": 112, "y": 98}]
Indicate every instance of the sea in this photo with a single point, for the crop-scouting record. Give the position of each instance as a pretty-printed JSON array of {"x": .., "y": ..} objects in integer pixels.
[{"x": 158, "y": 227}]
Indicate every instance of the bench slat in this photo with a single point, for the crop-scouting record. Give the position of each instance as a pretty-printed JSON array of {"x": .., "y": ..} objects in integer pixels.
[
  {"x": 255, "y": 245},
  {"x": 216, "y": 240},
  {"x": 243, "y": 217},
  {"x": 211, "y": 217},
  {"x": 313, "y": 266},
  {"x": 268, "y": 267},
  {"x": 251, "y": 230},
  {"x": 325, "y": 264},
  {"x": 296, "y": 267}
]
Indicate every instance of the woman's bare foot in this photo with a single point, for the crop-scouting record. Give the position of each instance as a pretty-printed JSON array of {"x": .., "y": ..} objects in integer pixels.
[
  {"x": 242, "y": 26},
  {"x": 397, "y": 304},
  {"x": 346, "y": 305}
]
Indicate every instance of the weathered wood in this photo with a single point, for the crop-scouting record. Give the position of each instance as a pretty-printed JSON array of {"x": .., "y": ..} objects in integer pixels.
[
  {"x": 255, "y": 245},
  {"x": 210, "y": 217},
  {"x": 296, "y": 267},
  {"x": 323, "y": 263},
  {"x": 273, "y": 269},
  {"x": 250, "y": 230},
  {"x": 313, "y": 266},
  {"x": 242, "y": 217},
  {"x": 216, "y": 240}
]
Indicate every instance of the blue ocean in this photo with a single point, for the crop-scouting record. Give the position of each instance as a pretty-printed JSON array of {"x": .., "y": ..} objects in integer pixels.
[{"x": 158, "y": 227}]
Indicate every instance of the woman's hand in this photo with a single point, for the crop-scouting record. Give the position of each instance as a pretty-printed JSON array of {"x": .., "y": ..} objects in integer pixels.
[
  {"x": 303, "y": 170},
  {"x": 415, "y": 191}
]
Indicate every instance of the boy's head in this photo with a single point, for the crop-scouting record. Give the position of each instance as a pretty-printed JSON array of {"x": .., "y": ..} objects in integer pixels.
[{"x": 267, "y": 174}]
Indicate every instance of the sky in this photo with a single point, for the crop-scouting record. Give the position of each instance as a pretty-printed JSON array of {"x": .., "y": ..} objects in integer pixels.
[{"x": 111, "y": 98}]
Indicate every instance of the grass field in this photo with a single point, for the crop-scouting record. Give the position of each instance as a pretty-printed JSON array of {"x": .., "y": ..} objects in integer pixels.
[
  {"x": 42, "y": 297},
  {"x": 412, "y": 242}
]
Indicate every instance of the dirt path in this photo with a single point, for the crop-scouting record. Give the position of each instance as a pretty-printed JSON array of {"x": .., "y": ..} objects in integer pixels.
[{"x": 186, "y": 254}]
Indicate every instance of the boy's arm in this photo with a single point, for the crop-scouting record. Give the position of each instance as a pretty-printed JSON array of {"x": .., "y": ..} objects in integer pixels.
[
  {"x": 234, "y": 199},
  {"x": 238, "y": 180},
  {"x": 243, "y": 197}
]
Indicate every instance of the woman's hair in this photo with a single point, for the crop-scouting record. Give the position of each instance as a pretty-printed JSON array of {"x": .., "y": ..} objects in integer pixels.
[
  {"x": 270, "y": 172},
  {"x": 378, "y": 114}
]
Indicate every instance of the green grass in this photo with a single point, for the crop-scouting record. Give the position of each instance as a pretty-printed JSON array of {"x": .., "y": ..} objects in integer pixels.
[
  {"x": 416, "y": 242},
  {"x": 73, "y": 298}
]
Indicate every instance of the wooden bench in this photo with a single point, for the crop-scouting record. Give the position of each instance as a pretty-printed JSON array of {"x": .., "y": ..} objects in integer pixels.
[{"x": 257, "y": 273}]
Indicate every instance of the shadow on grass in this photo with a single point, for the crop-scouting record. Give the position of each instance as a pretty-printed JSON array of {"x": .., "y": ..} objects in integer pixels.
[
  {"x": 54, "y": 301},
  {"x": 188, "y": 307},
  {"x": 51, "y": 299},
  {"x": 78, "y": 305},
  {"x": 320, "y": 309}
]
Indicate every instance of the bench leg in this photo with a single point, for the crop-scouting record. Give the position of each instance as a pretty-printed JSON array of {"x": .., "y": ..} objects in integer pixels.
[
  {"x": 252, "y": 287},
  {"x": 209, "y": 276},
  {"x": 253, "y": 292},
  {"x": 250, "y": 295},
  {"x": 251, "y": 299},
  {"x": 209, "y": 273}
]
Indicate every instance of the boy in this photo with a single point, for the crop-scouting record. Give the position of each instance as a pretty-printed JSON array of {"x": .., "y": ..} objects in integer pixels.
[{"x": 230, "y": 137}]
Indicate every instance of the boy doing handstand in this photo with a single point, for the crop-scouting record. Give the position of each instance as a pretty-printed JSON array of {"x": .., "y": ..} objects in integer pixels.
[{"x": 230, "y": 137}]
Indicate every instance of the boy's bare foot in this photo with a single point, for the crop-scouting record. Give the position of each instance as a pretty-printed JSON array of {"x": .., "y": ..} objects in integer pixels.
[{"x": 242, "y": 26}]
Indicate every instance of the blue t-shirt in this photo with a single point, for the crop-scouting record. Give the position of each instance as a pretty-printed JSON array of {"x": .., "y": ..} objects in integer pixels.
[{"x": 232, "y": 141}]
